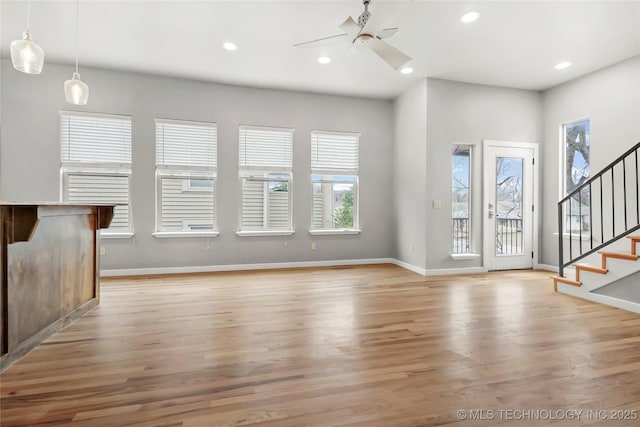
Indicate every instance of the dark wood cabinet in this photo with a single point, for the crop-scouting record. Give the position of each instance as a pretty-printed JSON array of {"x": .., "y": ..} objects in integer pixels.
[{"x": 49, "y": 268}]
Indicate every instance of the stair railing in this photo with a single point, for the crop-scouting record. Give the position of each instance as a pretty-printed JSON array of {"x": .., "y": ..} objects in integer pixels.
[{"x": 601, "y": 218}]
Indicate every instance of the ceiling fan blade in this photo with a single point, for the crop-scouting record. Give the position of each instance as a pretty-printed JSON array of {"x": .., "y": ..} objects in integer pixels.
[
  {"x": 328, "y": 41},
  {"x": 350, "y": 27},
  {"x": 387, "y": 32},
  {"x": 390, "y": 54}
]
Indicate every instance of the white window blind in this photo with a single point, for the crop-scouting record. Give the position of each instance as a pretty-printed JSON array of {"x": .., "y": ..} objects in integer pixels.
[
  {"x": 334, "y": 151},
  {"x": 93, "y": 138},
  {"x": 334, "y": 167},
  {"x": 266, "y": 160},
  {"x": 186, "y": 158},
  {"x": 186, "y": 144},
  {"x": 95, "y": 156},
  {"x": 266, "y": 148},
  {"x": 93, "y": 188}
]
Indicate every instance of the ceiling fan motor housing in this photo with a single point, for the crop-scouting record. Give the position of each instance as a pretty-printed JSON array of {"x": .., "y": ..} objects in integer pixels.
[{"x": 364, "y": 38}]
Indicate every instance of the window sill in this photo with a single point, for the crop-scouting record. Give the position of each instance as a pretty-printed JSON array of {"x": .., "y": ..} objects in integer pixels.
[
  {"x": 116, "y": 236},
  {"x": 575, "y": 236},
  {"x": 181, "y": 234},
  {"x": 265, "y": 233},
  {"x": 335, "y": 232},
  {"x": 464, "y": 257}
]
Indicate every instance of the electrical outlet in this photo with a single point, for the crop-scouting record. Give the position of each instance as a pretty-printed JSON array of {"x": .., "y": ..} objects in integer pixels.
[
  {"x": 313, "y": 246},
  {"x": 103, "y": 250}
]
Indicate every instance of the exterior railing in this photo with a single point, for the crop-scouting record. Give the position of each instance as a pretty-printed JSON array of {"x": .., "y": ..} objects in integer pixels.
[
  {"x": 509, "y": 236},
  {"x": 460, "y": 236}
]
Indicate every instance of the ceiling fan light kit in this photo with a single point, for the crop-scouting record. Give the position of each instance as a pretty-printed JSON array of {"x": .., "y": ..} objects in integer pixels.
[
  {"x": 360, "y": 34},
  {"x": 26, "y": 56}
]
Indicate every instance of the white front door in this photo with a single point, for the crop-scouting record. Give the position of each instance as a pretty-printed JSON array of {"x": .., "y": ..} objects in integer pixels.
[{"x": 508, "y": 205}]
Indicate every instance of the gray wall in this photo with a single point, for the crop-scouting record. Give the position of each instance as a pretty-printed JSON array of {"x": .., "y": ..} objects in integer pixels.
[
  {"x": 610, "y": 98},
  {"x": 410, "y": 175},
  {"x": 429, "y": 118},
  {"x": 29, "y": 164},
  {"x": 463, "y": 113}
]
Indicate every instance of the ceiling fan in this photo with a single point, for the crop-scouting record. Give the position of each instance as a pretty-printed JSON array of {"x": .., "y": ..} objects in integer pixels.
[{"x": 361, "y": 35}]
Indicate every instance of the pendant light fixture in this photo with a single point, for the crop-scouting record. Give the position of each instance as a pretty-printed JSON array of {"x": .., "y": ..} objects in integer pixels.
[
  {"x": 75, "y": 90},
  {"x": 26, "y": 56}
]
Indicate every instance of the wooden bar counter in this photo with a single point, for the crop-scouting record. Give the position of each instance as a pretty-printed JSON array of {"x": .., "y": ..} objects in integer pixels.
[{"x": 49, "y": 270}]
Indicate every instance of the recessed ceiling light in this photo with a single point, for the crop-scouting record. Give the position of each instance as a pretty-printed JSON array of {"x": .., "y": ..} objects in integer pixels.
[
  {"x": 562, "y": 65},
  {"x": 406, "y": 70},
  {"x": 230, "y": 46},
  {"x": 324, "y": 60},
  {"x": 470, "y": 17}
]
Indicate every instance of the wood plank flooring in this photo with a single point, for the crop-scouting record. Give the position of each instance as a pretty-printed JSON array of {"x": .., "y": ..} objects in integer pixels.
[{"x": 361, "y": 346}]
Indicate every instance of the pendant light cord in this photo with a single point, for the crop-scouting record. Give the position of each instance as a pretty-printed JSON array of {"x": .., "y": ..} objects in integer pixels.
[
  {"x": 77, "y": 1},
  {"x": 28, "y": 14}
]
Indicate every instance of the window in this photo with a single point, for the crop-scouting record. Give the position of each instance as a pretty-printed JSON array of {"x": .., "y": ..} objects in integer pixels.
[
  {"x": 266, "y": 157},
  {"x": 334, "y": 176},
  {"x": 576, "y": 171},
  {"x": 186, "y": 161},
  {"x": 461, "y": 199},
  {"x": 95, "y": 164}
]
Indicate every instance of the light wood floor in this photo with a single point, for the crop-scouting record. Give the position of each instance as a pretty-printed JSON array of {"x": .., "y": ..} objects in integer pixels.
[{"x": 362, "y": 346}]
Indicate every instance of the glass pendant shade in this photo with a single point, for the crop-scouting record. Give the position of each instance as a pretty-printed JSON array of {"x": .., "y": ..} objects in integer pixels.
[
  {"x": 27, "y": 56},
  {"x": 75, "y": 91}
]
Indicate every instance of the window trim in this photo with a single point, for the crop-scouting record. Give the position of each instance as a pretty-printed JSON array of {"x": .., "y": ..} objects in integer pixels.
[
  {"x": 184, "y": 172},
  {"x": 356, "y": 205},
  {"x": 322, "y": 172},
  {"x": 161, "y": 174},
  {"x": 562, "y": 191},
  {"x": 183, "y": 234},
  {"x": 67, "y": 168},
  {"x": 470, "y": 251},
  {"x": 258, "y": 173},
  {"x": 252, "y": 176},
  {"x": 93, "y": 168},
  {"x": 563, "y": 173}
]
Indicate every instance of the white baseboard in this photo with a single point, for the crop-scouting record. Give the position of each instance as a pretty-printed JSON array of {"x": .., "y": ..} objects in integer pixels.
[
  {"x": 599, "y": 298},
  {"x": 547, "y": 267},
  {"x": 410, "y": 267},
  {"x": 303, "y": 264},
  {"x": 439, "y": 271},
  {"x": 241, "y": 267}
]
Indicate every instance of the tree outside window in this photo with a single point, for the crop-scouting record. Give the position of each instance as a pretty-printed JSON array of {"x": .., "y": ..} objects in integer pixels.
[{"x": 577, "y": 172}]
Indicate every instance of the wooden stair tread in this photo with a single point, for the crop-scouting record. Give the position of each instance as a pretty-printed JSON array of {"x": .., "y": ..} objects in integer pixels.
[
  {"x": 634, "y": 238},
  {"x": 564, "y": 280},
  {"x": 619, "y": 255},
  {"x": 591, "y": 268}
]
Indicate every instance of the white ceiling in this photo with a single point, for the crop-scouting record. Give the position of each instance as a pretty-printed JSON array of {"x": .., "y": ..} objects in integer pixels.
[{"x": 513, "y": 44}]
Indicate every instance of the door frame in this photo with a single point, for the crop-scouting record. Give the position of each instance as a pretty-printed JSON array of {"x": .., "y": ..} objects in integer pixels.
[{"x": 489, "y": 143}]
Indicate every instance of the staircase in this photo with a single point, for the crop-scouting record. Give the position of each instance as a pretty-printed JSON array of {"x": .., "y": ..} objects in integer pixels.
[{"x": 603, "y": 244}]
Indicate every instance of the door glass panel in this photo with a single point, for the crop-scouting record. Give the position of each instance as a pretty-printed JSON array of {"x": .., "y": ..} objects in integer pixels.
[{"x": 509, "y": 203}]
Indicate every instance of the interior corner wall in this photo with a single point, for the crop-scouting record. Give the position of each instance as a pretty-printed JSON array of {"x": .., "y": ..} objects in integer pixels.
[
  {"x": 410, "y": 175},
  {"x": 30, "y": 161},
  {"x": 610, "y": 99},
  {"x": 464, "y": 113}
]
